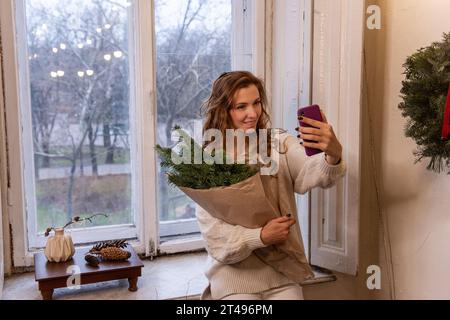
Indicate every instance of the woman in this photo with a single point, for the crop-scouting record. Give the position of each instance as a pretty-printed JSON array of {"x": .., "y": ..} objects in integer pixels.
[{"x": 238, "y": 101}]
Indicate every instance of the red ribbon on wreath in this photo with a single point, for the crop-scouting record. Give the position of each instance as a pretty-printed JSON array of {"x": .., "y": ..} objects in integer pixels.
[{"x": 446, "y": 127}]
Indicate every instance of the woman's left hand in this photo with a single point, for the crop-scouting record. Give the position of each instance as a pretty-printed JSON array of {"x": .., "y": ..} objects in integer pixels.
[{"x": 321, "y": 137}]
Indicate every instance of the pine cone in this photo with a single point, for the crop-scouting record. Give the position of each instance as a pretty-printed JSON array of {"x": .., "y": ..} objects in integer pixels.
[
  {"x": 92, "y": 260},
  {"x": 108, "y": 244},
  {"x": 115, "y": 254}
]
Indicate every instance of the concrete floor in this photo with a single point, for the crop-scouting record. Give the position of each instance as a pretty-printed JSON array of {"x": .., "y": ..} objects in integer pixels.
[{"x": 170, "y": 277}]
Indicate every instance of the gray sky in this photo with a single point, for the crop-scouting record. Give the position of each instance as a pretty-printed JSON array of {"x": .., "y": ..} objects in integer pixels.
[{"x": 216, "y": 13}]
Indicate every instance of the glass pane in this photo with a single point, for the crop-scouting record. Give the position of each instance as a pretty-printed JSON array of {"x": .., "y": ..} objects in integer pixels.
[
  {"x": 193, "y": 39},
  {"x": 80, "y": 93}
]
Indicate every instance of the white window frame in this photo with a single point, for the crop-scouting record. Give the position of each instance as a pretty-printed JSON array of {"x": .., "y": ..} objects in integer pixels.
[
  {"x": 147, "y": 241},
  {"x": 248, "y": 48},
  {"x": 292, "y": 69},
  {"x": 14, "y": 53},
  {"x": 337, "y": 86},
  {"x": 79, "y": 235},
  {"x": 307, "y": 68},
  {"x": 16, "y": 207}
]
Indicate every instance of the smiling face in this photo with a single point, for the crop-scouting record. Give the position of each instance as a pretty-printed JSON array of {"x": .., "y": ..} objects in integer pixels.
[{"x": 247, "y": 108}]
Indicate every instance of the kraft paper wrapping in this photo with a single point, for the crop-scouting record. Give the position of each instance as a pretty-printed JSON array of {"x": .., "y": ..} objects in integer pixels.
[{"x": 247, "y": 205}]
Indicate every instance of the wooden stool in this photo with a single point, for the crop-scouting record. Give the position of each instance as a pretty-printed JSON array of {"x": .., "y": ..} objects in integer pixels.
[{"x": 52, "y": 275}]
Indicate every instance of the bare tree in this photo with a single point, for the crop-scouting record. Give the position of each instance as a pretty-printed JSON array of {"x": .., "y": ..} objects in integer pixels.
[
  {"x": 190, "y": 57},
  {"x": 79, "y": 79},
  {"x": 81, "y": 60}
]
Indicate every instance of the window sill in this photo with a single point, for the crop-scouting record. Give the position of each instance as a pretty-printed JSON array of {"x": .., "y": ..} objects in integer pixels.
[
  {"x": 174, "y": 277},
  {"x": 320, "y": 276}
]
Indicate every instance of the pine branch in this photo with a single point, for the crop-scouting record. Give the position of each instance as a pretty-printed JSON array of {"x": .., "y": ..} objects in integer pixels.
[{"x": 200, "y": 176}]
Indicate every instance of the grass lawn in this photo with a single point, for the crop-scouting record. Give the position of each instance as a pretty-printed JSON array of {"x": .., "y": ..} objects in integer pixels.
[
  {"x": 121, "y": 156},
  {"x": 109, "y": 194}
]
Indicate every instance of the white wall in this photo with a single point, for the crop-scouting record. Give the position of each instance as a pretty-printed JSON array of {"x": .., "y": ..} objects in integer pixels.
[{"x": 415, "y": 201}]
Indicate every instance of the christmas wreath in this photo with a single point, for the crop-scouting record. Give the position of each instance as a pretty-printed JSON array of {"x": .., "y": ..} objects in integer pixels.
[{"x": 425, "y": 91}]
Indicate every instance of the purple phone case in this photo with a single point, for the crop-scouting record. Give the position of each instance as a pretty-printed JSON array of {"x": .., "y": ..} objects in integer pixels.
[{"x": 312, "y": 112}]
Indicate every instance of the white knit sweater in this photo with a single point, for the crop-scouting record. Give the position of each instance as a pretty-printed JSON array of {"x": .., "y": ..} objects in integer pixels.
[{"x": 232, "y": 266}]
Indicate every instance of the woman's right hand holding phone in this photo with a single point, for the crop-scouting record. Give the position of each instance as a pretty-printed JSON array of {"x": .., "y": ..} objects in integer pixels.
[{"x": 321, "y": 137}]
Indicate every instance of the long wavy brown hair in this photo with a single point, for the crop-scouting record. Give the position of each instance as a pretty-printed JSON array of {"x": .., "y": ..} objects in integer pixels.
[{"x": 217, "y": 107}]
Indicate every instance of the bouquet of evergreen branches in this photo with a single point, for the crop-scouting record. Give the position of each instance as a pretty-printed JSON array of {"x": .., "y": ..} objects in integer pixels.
[
  {"x": 204, "y": 175},
  {"x": 234, "y": 193}
]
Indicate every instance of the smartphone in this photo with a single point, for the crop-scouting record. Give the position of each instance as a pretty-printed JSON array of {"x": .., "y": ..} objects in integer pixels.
[{"x": 312, "y": 112}]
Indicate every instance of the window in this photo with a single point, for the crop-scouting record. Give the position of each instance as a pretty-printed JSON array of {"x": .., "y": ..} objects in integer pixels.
[
  {"x": 292, "y": 78},
  {"x": 98, "y": 83},
  {"x": 205, "y": 39},
  {"x": 127, "y": 45},
  {"x": 317, "y": 66},
  {"x": 78, "y": 140},
  {"x": 193, "y": 47},
  {"x": 336, "y": 84}
]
